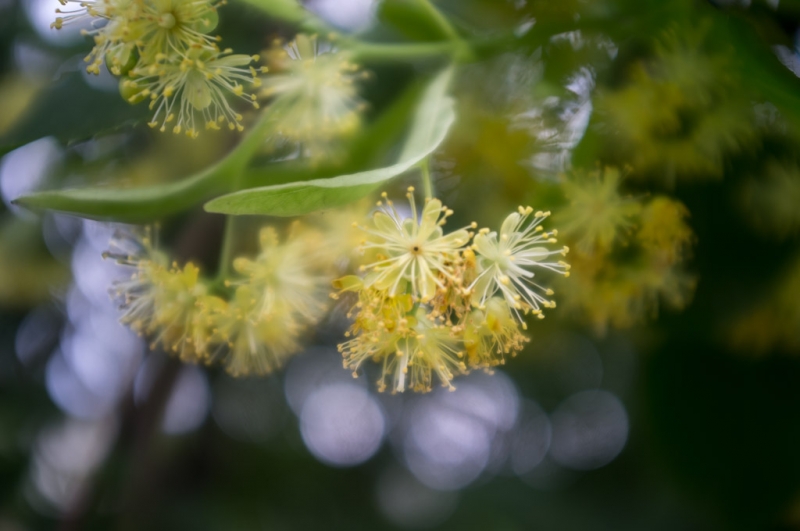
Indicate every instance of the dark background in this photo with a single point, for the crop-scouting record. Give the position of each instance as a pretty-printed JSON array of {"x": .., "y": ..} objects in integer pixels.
[{"x": 667, "y": 425}]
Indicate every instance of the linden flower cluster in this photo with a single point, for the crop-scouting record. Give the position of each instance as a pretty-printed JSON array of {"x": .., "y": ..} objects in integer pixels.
[
  {"x": 430, "y": 303},
  {"x": 629, "y": 251},
  {"x": 163, "y": 52},
  {"x": 277, "y": 296},
  {"x": 682, "y": 112},
  {"x": 315, "y": 90}
]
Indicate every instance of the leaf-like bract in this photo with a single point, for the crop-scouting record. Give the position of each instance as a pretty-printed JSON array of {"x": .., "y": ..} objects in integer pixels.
[{"x": 432, "y": 120}]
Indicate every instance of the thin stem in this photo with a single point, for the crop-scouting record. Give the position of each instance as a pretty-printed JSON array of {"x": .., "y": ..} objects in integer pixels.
[
  {"x": 437, "y": 17},
  {"x": 236, "y": 165},
  {"x": 226, "y": 256},
  {"x": 460, "y": 49},
  {"x": 427, "y": 182},
  {"x": 315, "y": 25},
  {"x": 228, "y": 238},
  {"x": 367, "y": 51}
]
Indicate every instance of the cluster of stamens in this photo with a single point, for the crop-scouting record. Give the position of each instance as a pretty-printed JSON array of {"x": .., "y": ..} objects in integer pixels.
[{"x": 430, "y": 303}]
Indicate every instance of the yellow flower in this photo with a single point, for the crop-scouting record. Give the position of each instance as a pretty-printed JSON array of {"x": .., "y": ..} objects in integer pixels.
[
  {"x": 316, "y": 92},
  {"x": 252, "y": 343},
  {"x": 682, "y": 113},
  {"x": 606, "y": 293},
  {"x": 112, "y": 38},
  {"x": 196, "y": 84},
  {"x": 204, "y": 335},
  {"x": 342, "y": 236},
  {"x": 409, "y": 344},
  {"x": 288, "y": 277},
  {"x": 507, "y": 262},
  {"x": 663, "y": 230},
  {"x": 139, "y": 293},
  {"x": 173, "y": 27},
  {"x": 376, "y": 319},
  {"x": 633, "y": 279},
  {"x": 429, "y": 347},
  {"x": 597, "y": 216},
  {"x": 415, "y": 317},
  {"x": 144, "y": 28},
  {"x": 412, "y": 252},
  {"x": 492, "y": 333},
  {"x": 163, "y": 49},
  {"x": 175, "y": 313},
  {"x": 85, "y": 9},
  {"x": 161, "y": 301}
]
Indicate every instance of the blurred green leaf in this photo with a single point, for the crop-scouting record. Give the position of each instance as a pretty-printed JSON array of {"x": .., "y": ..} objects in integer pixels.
[
  {"x": 415, "y": 19},
  {"x": 432, "y": 120},
  {"x": 763, "y": 70},
  {"x": 127, "y": 204},
  {"x": 154, "y": 202},
  {"x": 28, "y": 273},
  {"x": 71, "y": 111},
  {"x": 372, "y": 146},
  {"x": 289, "y": 11}
]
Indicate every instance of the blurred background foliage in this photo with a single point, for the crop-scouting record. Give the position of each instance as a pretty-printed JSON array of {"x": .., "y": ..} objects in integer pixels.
[{"x": 661, "y": 394}]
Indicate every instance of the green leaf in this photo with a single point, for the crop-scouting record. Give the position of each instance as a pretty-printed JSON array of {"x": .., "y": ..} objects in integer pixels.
[
  {"x": 121, "y": 204},
  {"x": 154, "y": 202},
  {"x": 415, "y": 19},
  {"x": 432, "y": 120},
  {"x": 70, "y": 111},
  {"x": 289, "y": 11},
  {"x": 28, "y": 273},
  {"x": 371, "y": 147},
  {"x": 763, "y": 70}
]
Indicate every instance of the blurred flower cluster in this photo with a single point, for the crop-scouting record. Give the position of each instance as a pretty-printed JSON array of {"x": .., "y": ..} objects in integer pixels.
[
  {"x": 273, "y": 299},
  {"x": 314, "y": 90},
  {"x": 629, "y": 251},
  {"x": 680, "y": 114}
]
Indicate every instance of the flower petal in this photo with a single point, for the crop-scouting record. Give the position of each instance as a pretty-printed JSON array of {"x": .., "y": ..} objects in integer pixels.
[
  {"x": 510, "y": 224},
  {"x": 429, "y": 220},
  {"x": 486, "y": 245}
]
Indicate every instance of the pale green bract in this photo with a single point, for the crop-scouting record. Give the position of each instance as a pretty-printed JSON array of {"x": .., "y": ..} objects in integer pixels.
[{"x": 433, "y": 118}]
